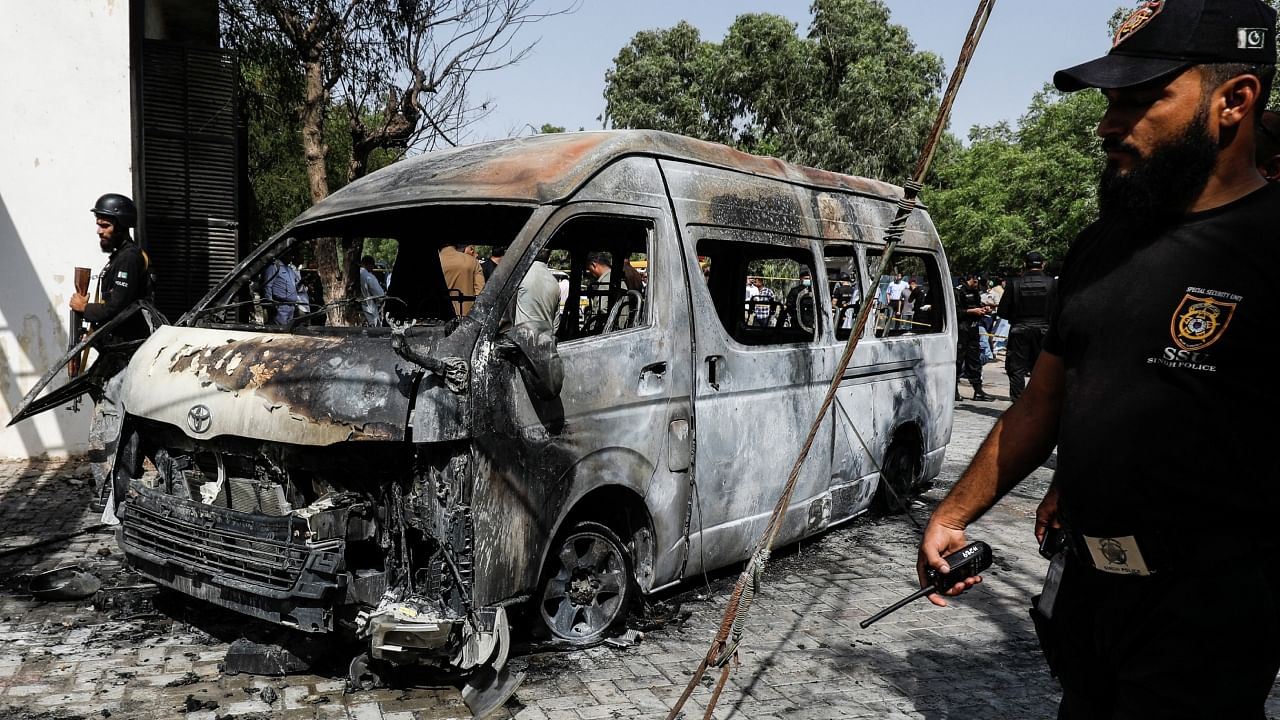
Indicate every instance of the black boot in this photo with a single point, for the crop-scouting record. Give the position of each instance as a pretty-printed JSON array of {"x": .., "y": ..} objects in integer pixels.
[
  {"x": 977, "y": 391},
  {"x": 958, "y": 398}
]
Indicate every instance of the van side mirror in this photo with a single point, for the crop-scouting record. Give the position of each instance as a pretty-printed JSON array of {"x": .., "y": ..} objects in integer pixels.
[{"x": 533, "y": 350}]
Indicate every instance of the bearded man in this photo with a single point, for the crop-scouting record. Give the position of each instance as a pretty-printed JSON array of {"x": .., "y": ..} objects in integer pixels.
[{"x": 1158, "y": 602}]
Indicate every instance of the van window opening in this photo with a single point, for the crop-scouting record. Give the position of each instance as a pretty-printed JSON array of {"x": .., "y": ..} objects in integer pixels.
[
  {"x": 844, "y": 281},
  {"x": 764, "y": 294},
  {"x": 602, "y": 265},
  {"x": 919, "y": 309}
]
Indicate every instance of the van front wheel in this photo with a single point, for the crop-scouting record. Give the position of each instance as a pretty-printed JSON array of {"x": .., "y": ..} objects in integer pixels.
[{"x": 589, "y": 587}]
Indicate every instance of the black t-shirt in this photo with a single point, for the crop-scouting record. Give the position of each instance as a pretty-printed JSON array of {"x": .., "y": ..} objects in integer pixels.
[
  {"x": 967, "y": 298},
  {"x": 122, "y": 281},
  {"x": 1168, "y": 413}
]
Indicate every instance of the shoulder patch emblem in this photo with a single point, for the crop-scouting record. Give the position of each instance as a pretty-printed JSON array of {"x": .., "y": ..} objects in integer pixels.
[
  {"x": 1137, "y": 20},
  {"x": 1200, "y": 321}
]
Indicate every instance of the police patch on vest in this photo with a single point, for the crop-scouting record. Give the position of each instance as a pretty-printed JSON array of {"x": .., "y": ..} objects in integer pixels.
[
  {"x": 1200, "y": 321},
  {"x": 1137, "y": 20}
]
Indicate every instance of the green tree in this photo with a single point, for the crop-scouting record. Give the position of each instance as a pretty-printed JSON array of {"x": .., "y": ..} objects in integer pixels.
[
  {"x": 660, "y": 81},
  {"x": 1029, "y": 188},
  {"x": 852, "y": 95}
]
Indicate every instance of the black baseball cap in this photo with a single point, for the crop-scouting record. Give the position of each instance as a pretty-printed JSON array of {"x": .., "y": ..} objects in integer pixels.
[
  {"x": 1164, "y": 37},
  {"x": 1034, "y": 259}
]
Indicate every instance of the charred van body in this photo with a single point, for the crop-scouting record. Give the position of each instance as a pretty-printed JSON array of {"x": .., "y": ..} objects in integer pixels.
[{"x": 409, "y": 483}]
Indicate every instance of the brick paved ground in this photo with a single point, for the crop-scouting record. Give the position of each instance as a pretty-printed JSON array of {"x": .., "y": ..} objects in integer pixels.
[{"x": 804, "y": 656}]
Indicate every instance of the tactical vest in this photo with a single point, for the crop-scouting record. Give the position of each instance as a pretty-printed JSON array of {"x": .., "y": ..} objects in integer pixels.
[{"x": 1032, "y": 294}]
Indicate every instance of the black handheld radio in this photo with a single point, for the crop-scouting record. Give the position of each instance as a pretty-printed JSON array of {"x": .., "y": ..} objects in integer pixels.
[{"x": 964, "y": 563}]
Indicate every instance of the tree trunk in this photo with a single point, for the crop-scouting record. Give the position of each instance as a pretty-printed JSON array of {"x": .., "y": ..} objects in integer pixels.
[{"x": 332, "y": 265}]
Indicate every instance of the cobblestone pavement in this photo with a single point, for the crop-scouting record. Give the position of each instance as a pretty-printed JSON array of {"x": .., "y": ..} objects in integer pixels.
[{"x": 803, "y": 656}]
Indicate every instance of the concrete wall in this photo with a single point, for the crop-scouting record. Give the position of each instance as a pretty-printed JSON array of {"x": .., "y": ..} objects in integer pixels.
[{"x": 65, "y": 138}]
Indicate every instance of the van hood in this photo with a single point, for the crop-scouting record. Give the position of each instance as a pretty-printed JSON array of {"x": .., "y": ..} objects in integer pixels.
[{"x": 302, "y": 390}]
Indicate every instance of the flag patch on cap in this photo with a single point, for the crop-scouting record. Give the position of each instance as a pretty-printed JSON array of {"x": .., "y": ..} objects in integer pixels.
[{"x": 1251, "y": 38}]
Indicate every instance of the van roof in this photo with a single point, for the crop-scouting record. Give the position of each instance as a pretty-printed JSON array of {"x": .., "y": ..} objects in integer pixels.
[{"x": 549, "y": 168}]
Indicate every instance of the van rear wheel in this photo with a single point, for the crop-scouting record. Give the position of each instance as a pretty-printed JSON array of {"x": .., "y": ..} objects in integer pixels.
[
  {"x": 588, "y": 589},
  {"x": 899, "y": 476}
]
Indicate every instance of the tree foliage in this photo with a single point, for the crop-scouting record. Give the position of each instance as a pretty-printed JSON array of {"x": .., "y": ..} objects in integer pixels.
[
  {"x": 852, "y": 95},
  {"x": 1029, "y": 188}
]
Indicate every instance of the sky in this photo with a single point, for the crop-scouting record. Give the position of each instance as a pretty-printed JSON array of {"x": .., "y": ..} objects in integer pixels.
[{"x": 562, "y": 80}]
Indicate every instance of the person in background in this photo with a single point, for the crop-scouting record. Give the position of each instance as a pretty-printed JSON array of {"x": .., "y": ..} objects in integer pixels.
[
  {"x": 910, "y": 298},
  {"x": 304, "y": 296},
  {"x": 489, "y": 264},
  {"x": 970, "y": 312},
  {"x": 280, "y": 291},
  {"x": 1026, "y": 305},
  {"x": 463, "y": 274},
  {"x": 601, "y": 274},
  {"x": 763, "y": 308},
  {"x": 800, "y": 304},
  {"x": 894, "y": 295},
  {"x": 370, "y": 291},
  {"x": 538, "y": 297}
]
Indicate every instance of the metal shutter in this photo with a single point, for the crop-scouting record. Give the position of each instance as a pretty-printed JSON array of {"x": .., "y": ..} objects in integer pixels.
[{"x": 191, "y": 169}]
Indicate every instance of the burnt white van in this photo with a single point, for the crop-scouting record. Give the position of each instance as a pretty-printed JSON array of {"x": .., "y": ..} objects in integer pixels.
[{"x": 415, "y": 481}]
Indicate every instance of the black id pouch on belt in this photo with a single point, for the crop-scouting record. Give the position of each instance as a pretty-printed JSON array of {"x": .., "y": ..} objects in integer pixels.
[
  {"x": 1048, "y": 630},
  {"x": 1050, "y": 644}
]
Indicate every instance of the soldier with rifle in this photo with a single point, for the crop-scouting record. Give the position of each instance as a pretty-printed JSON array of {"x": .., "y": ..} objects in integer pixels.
[{"x": 124, "y": 279}]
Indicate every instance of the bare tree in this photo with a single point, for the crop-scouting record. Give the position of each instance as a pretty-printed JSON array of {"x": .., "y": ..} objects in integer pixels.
[{"x": 394, "y": 71}]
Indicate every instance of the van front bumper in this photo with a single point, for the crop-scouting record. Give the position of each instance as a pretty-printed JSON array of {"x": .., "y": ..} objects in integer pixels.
[{"x": 259, "y": 565}]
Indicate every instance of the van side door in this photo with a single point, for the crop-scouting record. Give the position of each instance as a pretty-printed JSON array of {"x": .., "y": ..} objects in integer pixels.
[
  {"x": 761, "y": 375},
  {"x": 623, "y": 345}
]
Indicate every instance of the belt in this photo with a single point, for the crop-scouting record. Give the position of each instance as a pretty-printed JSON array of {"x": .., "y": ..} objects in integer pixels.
[
  {"x": 1133, "y": 555},
  {"x": 1152, "y": 553}
]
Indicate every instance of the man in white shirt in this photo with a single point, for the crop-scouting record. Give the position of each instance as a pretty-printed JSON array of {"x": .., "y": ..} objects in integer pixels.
[{"x": 894, "y": 292}]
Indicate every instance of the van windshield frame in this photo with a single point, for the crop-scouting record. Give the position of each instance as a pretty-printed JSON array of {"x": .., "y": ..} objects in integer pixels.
[{"x": 237, "y": 302}]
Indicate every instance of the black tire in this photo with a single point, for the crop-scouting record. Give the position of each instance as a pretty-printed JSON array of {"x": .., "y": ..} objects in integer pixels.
[
  {"x": 588, "y": 588},
  {"x": 899, "y": 478}
]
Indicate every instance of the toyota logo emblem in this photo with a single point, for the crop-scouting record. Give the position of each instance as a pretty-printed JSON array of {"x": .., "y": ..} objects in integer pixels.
[{"x": 199, "y": 419}]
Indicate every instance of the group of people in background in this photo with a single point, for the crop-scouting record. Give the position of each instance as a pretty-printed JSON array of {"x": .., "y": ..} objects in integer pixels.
[
  {"x": 796, "y": 309},
  {"x": 1012, "y": 313}
]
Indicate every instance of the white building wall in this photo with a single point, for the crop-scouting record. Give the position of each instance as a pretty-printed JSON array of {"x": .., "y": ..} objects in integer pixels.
[{"x": 65, "y": 139}]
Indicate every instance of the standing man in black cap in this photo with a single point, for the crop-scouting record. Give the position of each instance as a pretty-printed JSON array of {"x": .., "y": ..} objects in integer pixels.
[
  {"x": 1025, "y": 304},
  {"x": 1161, "y": 602},
  {"x": 970, "y": 312},
  {"x": 125, "y": 277}
]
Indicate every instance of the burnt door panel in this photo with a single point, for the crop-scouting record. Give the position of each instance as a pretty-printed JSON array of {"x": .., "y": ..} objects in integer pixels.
[
  {"x": 762, "y": 372},
  {"x": 623, "y": 345}
]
